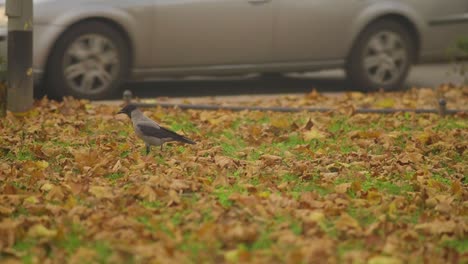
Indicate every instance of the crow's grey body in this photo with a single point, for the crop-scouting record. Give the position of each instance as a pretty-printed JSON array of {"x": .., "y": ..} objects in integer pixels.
[
  {"x": 149, "y": 131},
  {"x": 140, "y": 120}
]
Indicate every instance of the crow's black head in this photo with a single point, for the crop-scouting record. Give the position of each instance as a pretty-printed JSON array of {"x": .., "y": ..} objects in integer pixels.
[{"x": 127, "y": 110}]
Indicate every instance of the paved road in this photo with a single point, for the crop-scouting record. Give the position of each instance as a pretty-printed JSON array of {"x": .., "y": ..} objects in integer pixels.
[{"x": 326, "y": 81}]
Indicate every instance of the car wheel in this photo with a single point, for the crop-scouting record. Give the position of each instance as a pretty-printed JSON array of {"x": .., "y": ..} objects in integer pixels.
[
  {"x": 381, "y": 57},
  {"x": 90, "y": 60}
]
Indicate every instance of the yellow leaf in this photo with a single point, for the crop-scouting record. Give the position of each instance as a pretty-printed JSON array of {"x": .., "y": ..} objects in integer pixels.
[
  {"x": 392, "y": 208},
  {"x": 31, "y": 200},
  {"x": 280, "y": 121},
  {"x": 374, "y": 197},
  {"x": 456, "y": 188},
  {"x": 89, "y": 106},
  {"x": 369, "y": 134},
  {"x": 47, "y": 187},
  {"x": 101, "y": 192},
  {"x": 385, "y": 103},
  {"x": 232, "y": 256},
  {"x": 264, "y": 194},
  {"x": 423, "y": 137},
  {"x": 212, "y": 117},
  {"x": 42, "y": 164},
  {"x": 384, "y": 260},
  {"x": 40, "y": 231},
  {"x": 316, "y": 216},
  {"x": 314, "y": 133},
  {"x": 71, "y": 202}
]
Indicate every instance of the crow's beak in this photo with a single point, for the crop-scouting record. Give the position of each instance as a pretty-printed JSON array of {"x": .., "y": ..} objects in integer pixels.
[{"x": 120, "y": 112}]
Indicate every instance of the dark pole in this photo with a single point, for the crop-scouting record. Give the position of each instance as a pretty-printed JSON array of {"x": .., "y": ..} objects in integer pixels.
[
  {"x": 3, "y": 86},
  {"x": 20, "y": 51}
]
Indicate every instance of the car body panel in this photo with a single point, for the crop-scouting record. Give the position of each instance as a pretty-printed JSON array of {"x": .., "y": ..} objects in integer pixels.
[
  {"x": 446, "y": 21},
  {"x": 297, "y": 23},
  {"x": 41, "y": 44},
  {"x": 179, "y": 71},
  {"x": 207, "y": 32},
  {"x": 209, "y": 37}
]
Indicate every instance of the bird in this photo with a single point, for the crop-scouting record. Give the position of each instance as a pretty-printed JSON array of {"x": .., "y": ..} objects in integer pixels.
[{"x": 149, "y": 131}]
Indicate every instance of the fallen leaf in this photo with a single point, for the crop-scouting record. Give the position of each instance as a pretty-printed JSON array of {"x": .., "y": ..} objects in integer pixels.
[
  {"x": 224, "y": 162},
  {"x": 279, "y": 121},
  {"x": 147, "y": 193},
  {"x": 101, "y": 192},
  {"x": 313, "y": 134},
  {"x": 342, "y": 188},
  {"x": 385, "y": 103},
  {"x": 40, "y": 231},
  {"x": 437, "y": 227},
  {"x": 384, "y": 260}
]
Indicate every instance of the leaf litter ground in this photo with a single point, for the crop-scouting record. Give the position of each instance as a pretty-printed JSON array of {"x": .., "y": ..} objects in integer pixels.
[{"x": 258, "y": 187}]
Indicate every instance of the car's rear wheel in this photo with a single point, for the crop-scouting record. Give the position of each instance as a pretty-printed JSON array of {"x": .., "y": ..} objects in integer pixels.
[
  {"x": 90, "y": 60},
  {"x": 381, "y": 57}
]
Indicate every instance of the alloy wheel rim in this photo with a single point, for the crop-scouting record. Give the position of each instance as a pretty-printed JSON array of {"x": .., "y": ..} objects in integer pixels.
[
  {"x": 385, "y": 57},
  {"x": 91, "y": 63}
]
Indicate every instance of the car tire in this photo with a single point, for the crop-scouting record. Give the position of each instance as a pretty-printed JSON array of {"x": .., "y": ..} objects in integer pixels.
[
  {"x": 90, "y": 60},
  {"x": 381, "y": 57}
]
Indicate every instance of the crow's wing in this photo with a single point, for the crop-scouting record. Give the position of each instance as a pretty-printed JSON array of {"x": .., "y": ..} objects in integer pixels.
[{"x": 163, "y": 133}]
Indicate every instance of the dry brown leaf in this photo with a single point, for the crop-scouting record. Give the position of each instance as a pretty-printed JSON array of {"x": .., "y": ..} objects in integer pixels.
[
  {"x": 313, "y": 133},
  {"x": 147, "y": 193},
  {"x": 224, "y": 162},
  {"x": 437, "y": 227},
  {"x": 342, "y": 188},
  {"x": 101, "y": 192}
]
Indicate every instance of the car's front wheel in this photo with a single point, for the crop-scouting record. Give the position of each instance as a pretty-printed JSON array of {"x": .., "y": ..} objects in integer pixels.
[
  {"x": 381, "y": 57},
  {"x": 90, "y": 60}
]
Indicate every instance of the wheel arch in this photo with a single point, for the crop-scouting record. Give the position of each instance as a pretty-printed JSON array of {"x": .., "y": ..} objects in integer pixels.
[
  {"x": 108, "y": 21},
  {"x": 47, "y": 81},
  {"x": 406, "y": 23},
  {"x": 400, "y": 13}
]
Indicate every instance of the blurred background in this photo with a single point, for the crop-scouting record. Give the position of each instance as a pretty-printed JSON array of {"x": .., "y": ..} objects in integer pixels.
[{"x": 95, "y": 49}]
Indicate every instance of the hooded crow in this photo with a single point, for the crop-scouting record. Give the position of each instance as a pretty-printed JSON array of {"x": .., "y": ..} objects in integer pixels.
[{"x": 149, "y": 131}]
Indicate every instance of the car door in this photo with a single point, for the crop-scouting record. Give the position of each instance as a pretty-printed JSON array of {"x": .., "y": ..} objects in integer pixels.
[
  {"x": 313, "y": 29},
  {"x": 212, "y": 32},
  {"x": 447, "y": 23}
]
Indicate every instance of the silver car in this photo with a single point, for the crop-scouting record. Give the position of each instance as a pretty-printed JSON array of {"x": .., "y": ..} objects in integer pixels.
[{"x": 87, "y": 48}]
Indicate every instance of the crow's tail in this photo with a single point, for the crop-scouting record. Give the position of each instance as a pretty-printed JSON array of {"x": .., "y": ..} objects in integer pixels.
[{"x": 185, "y": 140}]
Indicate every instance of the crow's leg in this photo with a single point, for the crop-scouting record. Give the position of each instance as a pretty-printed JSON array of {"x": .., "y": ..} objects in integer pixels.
[
  {"x": 148, "y": 148},
  {"x": 162, "y": 147}
]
